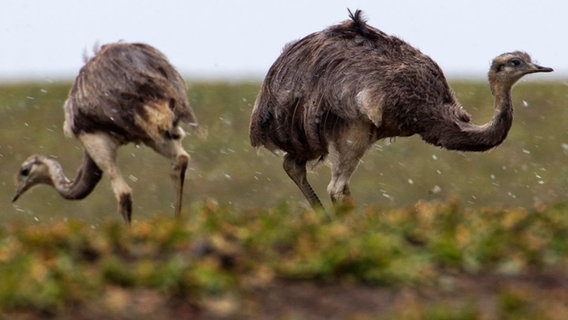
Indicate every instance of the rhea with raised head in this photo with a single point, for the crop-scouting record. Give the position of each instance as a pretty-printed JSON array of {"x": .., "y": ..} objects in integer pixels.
[{"x": 334, "y": 93}]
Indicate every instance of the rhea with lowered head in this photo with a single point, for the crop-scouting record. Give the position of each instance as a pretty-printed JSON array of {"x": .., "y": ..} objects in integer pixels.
[
  {"x": 334, "y": 93},
  {"x": 127, "y": 92}
]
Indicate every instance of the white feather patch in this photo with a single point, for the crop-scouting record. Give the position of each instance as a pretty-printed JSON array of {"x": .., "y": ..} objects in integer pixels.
[{"x": 371, "y": 106}]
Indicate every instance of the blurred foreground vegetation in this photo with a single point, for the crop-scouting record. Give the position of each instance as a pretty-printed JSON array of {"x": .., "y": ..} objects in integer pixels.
[
  {"x": 246, "y": 247},
  {"x": 432, "y": 260}
]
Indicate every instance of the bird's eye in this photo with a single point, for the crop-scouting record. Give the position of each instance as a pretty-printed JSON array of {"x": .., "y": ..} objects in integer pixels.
[
  {"x": 515, "y": 62},
  {"x": 24, "y": 172}
]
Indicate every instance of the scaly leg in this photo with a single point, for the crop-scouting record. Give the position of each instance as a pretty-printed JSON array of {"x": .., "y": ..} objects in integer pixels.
[
  {"x": 296, "y": 170},
  {"x": 178, "y": 177}
]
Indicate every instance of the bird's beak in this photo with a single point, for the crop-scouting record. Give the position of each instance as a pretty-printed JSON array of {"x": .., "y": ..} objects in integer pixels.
[
  {"x": 17, "y": 195},
  {"x": 536, "y": 68},
  {"x": 22, "y": 187}
]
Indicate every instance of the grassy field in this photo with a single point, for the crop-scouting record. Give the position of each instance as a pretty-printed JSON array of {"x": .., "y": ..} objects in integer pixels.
[
  {"x": 526, "y": 170},
  {"x": 434, "y": 234}
]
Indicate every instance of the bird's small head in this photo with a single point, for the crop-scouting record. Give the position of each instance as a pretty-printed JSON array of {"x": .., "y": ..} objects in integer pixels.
[
  {"x": 33, "y": 171},
  {"x": 509, "y": 67}
]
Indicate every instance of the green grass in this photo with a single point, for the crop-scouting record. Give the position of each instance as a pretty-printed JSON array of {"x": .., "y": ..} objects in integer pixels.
[
  {"x": 245, "y": 226},
  {"x": 220, "y": 252},
  {"x": 526, "y": 170}
]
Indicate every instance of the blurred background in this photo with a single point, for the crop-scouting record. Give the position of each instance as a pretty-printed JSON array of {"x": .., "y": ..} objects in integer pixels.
[
  {"x": 224, "y": 48},
  {"x": 222, "y": 38}
]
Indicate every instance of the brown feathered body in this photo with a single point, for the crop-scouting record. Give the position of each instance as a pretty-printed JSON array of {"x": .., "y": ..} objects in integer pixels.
[
  {"x": 337, "y": 91},
  {"x": 121, "y": 89},
  {"x": 127, "y": 92}
]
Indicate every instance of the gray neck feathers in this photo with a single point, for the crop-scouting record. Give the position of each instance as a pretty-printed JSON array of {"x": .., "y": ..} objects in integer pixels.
[
  {"x": 88, "y": 175},
  {"x": 454, "y": 134}
]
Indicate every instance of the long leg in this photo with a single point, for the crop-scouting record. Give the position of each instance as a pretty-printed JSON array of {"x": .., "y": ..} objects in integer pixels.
[
  {"x": 172, "y": 148},
  {"x": 344, "y": 156},
  {"x": 102, "y": 149},
  {"x": 178, "y": 177},
  {"x": 296, "y": 170},
  {"x": 342, "y": 168}
]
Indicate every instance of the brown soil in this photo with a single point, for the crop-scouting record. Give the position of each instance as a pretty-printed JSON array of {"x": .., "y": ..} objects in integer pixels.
[{"x": 542, "y": 296}]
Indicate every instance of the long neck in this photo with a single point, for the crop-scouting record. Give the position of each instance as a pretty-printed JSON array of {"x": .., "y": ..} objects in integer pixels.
[
  {"x": 87, "y": 178},
  {"x": 464, "y": 136}
]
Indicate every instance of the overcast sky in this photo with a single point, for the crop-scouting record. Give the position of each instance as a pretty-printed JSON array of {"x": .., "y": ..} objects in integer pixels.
[{"x": 46, "y": 40}]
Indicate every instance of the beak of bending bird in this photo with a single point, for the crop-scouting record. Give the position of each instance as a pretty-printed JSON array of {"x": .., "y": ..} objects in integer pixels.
[
  {"x": 23, "y": 186},
  {"x": 19, "y": 191}
]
